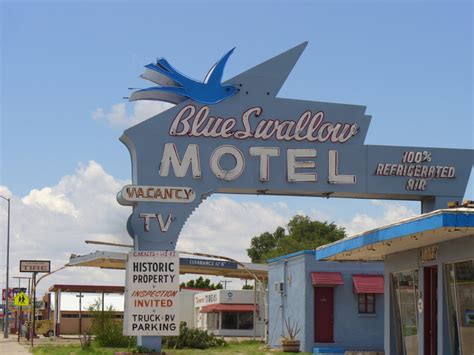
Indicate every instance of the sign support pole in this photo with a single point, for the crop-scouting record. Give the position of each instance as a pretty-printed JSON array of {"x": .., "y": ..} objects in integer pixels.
[
  {"x": 33, "y": 333},
  {"x": 152, "y": 342},
  {"x": 19, "y": 324},
  {"x": 30, "y": 314},
  {"x": 19, "y": 313},
  {"x": 6, "y": 310}
]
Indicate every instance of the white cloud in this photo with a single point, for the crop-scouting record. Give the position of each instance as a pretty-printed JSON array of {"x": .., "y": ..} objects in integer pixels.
[
  {"x": 118, "y": 117},
  {"x": 52, "y": 222},
  {"x": 320, "y": 215},
  {"x": 391, "y": 212},
  {"x": 49, "y": 199},
  {"x": 224, "y": 226}
]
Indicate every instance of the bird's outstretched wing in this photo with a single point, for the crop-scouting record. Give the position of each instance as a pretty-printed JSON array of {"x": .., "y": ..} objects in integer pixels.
[
  {"x": 173, "y": 95},
  {"x": 214, "y": 76},
  {"x": 159, "y": 78},
  {"x": 164, "y": 69}
]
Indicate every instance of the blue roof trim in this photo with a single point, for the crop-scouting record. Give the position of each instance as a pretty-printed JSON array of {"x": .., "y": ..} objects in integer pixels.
[
  {"x": 297, "y": 253},
  {"x": 422, "y": 224},
  {"x": 317, "y": 350}
]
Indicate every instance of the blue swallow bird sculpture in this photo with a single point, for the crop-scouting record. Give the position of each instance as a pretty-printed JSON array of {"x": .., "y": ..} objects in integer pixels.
[{"x": 175, "y": 87}]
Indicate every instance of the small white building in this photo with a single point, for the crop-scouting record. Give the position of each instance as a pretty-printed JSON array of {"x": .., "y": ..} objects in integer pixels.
[
  {"x": 186, "y": 309},
  {"x": 230, "y": 312}
]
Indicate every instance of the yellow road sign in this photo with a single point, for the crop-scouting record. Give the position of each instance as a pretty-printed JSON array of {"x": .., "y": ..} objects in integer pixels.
[{"x": 21, "y": 300}]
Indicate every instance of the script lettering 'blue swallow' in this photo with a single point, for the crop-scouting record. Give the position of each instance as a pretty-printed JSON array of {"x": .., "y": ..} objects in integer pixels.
[{"x": 175, "y": 87}]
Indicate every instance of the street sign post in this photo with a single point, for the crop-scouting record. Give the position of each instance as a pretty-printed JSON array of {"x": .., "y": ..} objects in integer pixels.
[{"x": 35, "y": 267}]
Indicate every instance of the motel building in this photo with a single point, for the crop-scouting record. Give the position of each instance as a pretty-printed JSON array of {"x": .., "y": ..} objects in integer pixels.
[
  {"x": 339, "y": 306},
  {"x": 230, "y": 312},
  {"x": 428, "y": 281}
]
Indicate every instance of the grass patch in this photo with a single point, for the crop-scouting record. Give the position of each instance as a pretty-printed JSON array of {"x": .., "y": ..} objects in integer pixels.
[
  {"x": 73, "y": 349},
  {"x": 247, "y": 347},
  {"x": 244, "y": 347}
]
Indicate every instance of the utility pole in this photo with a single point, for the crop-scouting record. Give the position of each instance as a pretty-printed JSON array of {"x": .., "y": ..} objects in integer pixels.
[
  {"x": 225, "y": 282},
  {"x": 33, "y": 332},
  {"x": 80, "y": 295},
  {"x": 6, "y": 317}
]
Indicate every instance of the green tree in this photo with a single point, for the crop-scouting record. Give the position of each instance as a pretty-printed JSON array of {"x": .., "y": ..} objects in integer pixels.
[
  {"x": 303, "y": 234},
  {"x": 264, "y": 244},
  {"x": 200, "y": 282}
]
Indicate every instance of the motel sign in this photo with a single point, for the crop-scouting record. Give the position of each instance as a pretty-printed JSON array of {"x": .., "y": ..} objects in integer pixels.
[{"x": 239, "y": 137}]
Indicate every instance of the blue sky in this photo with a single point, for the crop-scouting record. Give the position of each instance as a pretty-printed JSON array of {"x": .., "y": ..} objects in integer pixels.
[{"x": 410, "y": 63}]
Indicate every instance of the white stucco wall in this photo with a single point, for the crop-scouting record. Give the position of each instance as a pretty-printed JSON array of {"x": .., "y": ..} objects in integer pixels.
[{"x": 229, "y": 297}]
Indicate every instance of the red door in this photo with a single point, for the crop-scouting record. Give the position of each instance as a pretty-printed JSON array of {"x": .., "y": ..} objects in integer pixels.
[
  {"x": 430, "y": 307},
  {"x": 324, "y": 314}
]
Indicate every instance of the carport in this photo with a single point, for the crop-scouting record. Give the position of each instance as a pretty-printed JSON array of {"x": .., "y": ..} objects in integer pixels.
[
  {"x": 59, "y": 289},
  {"x": 116, "y": 260}
]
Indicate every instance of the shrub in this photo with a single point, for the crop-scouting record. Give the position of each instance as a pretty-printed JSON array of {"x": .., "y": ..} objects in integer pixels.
[
  {"x": 142, "y": 350},
  {"x": 108, "y": 329},
  {"x": 192, "y": 338},
  {"x": 86, "y": 341}
]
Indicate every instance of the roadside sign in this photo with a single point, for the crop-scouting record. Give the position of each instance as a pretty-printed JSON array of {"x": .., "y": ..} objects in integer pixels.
[
  {"x": 205, "y": 263},
  {"x": 35, "y": 266},
  {"x": 152, "y": 293},
  {"x": 12, "y": 292},
  {"x": 19, "y": 289},
  {"x": 21, "y": 300}
]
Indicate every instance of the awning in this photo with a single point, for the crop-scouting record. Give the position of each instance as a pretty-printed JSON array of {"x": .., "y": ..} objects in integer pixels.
[
  {"x": 87, "y": 288},
  {"x": 227, "y": 307},
  {"x": 409, "y": 234},
  {"x": 326, "y": 278},
  {"x": 115, "y": 260},
  {"x": 368, "y": 283}
]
